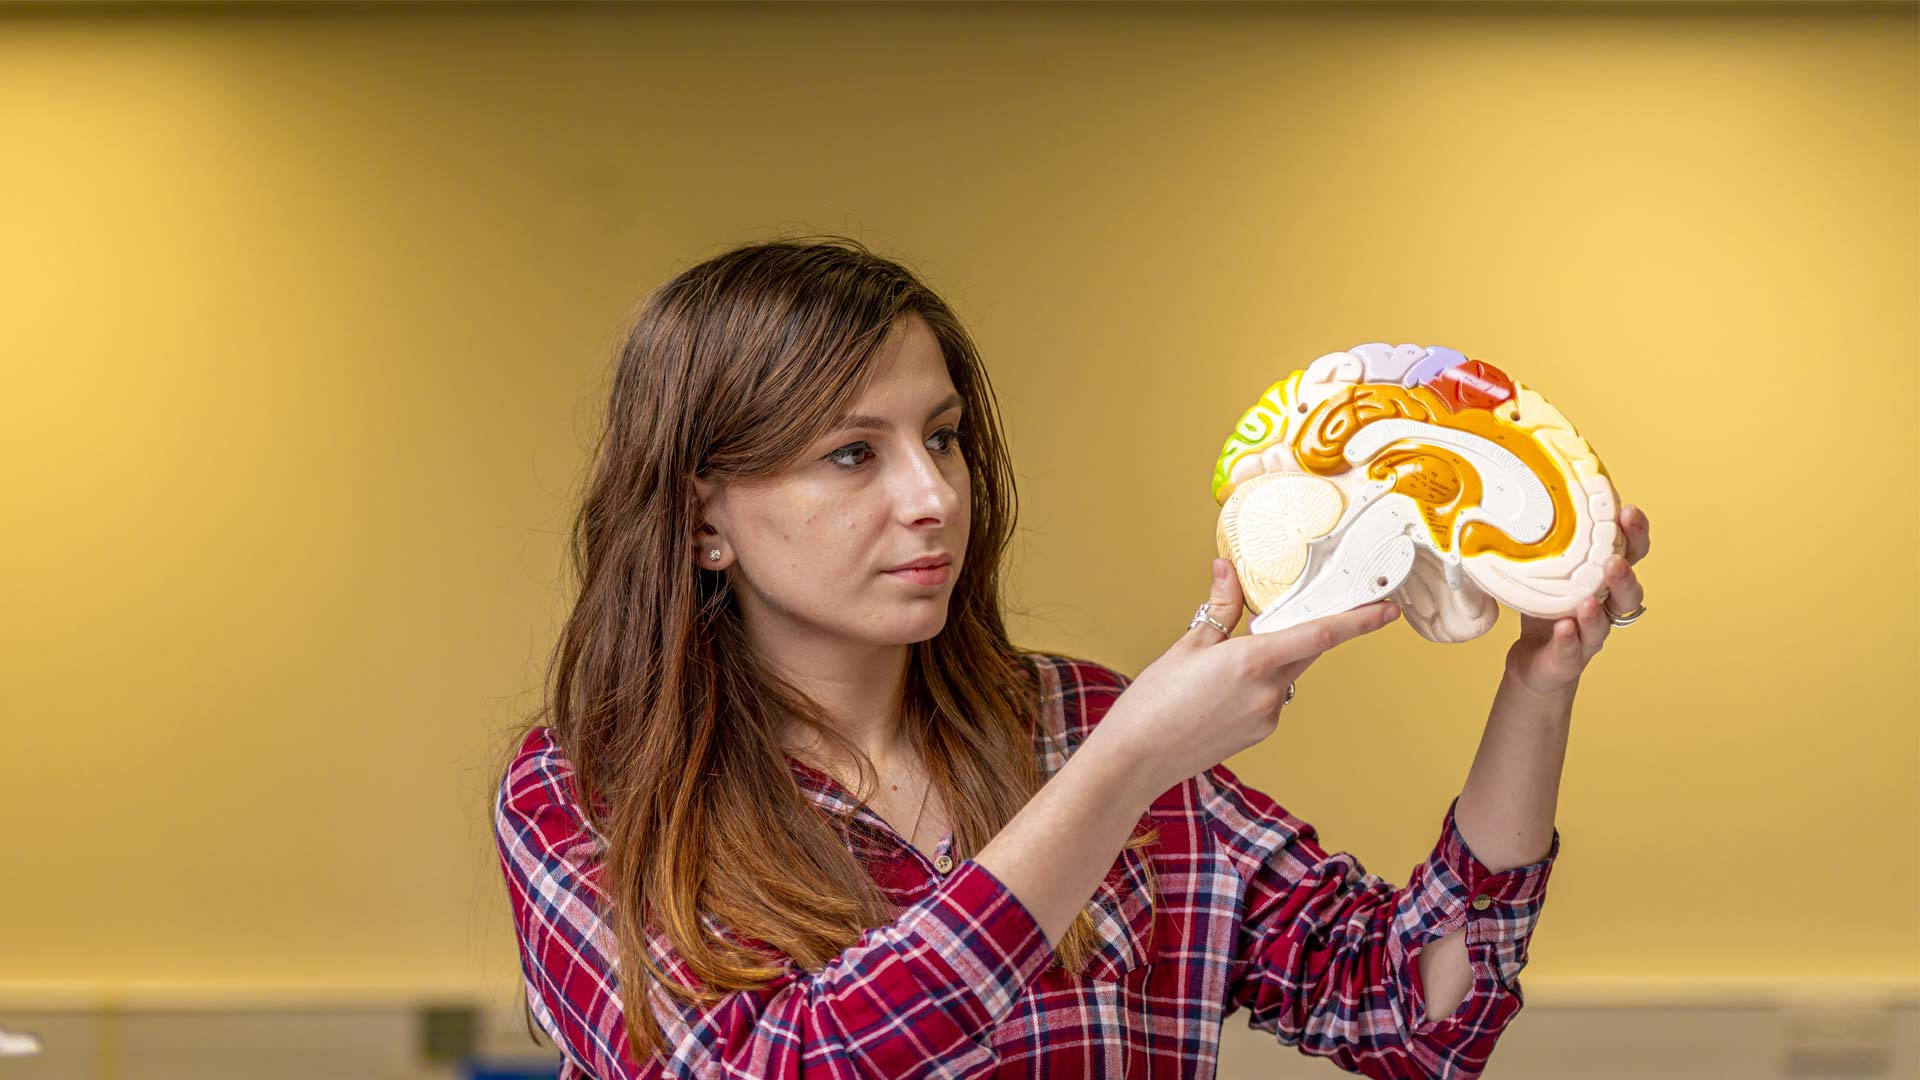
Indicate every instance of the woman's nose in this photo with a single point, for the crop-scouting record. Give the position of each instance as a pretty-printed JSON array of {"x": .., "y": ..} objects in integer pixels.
[{"x": 930, "y": 492}]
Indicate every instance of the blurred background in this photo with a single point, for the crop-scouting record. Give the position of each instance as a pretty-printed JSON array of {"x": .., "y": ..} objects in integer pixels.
[{"x": 308, "y": 315}]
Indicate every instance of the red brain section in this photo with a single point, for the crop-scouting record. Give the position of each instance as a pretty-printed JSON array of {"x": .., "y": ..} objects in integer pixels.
[{"x": 1475, "y": 384}]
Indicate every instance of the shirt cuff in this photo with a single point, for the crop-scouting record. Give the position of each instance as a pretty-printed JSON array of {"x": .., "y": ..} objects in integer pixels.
[
  {"x": 1499, "y": 907},
  {"x": 987, "y": 936},
  {"x": 1454, "y": 889}
]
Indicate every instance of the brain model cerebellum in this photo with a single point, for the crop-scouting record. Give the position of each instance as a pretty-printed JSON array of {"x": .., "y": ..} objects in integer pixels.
[{"x": 1415, "y": 474}]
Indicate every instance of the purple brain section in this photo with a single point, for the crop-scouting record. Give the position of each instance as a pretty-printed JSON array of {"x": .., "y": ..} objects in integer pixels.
[{"x": 1439, "y": 358}]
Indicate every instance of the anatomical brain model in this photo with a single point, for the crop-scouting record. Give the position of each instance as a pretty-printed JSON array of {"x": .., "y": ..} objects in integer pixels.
[{"x": 1414, "y": 474}]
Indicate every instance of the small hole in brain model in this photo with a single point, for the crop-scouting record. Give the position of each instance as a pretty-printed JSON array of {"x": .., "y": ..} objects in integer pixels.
[
  {"x": 1303, "y": 406},
  {"x": 1515, "y": 415},
  {"x": 1380, "y": 581}
]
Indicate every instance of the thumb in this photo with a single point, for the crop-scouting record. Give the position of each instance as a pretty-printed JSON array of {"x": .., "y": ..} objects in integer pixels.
[{"x": 1223, "y": 603}]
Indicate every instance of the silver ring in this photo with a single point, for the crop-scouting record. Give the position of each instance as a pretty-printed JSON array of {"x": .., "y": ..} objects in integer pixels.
[
  {"x": 1203, "y": 616},
  {"x": 1623, "y": 620}
]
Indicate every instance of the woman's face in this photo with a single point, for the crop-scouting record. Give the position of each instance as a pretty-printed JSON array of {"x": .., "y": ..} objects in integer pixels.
[{"x": 810, "y": 551}]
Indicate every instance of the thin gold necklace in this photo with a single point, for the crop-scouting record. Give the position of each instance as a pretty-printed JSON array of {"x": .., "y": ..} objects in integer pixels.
[{"x": 923, "y": 810}]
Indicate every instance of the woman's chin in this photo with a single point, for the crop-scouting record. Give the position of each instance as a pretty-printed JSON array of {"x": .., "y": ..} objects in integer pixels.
[{"x": 920, "y": 626}]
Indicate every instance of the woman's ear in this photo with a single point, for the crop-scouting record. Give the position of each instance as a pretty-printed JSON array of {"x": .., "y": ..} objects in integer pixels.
[{"x": 709, "y": 551}]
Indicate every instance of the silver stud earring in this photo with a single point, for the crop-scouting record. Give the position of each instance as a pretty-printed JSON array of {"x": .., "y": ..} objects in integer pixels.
[{"x": 713, "y": 554}]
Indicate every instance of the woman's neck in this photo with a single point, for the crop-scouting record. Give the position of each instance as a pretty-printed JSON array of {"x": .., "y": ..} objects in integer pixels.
[{"x": 860, "y": 689}]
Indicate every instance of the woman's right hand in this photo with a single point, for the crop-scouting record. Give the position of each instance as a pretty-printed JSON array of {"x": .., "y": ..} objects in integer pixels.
[{"x": 1211, "y": 696}]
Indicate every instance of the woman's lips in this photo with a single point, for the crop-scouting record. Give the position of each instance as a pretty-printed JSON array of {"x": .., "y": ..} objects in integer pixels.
[{"x": 924, "y": 575}]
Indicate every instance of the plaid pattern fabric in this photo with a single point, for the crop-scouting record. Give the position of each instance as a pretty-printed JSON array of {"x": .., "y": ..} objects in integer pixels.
[{"x": 1247, "y": 911}]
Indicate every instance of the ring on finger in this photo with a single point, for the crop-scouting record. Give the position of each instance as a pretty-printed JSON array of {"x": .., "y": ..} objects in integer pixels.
[
  {"x": 1205, "y": 616},
  {"x": 1627, "y": 619}
]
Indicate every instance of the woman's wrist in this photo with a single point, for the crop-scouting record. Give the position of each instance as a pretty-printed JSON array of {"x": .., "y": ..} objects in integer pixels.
[
  {"x": 1056, "y": 850},
  {"x": 1559, "y": 697},
  {"x": 1125, "y": 772}
]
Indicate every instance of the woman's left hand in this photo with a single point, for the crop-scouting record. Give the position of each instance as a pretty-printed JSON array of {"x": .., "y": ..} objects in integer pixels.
[{"x": 1551, "y": 654}]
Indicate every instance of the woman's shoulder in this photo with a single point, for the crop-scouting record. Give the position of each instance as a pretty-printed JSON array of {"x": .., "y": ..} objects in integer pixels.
[
  {"x": 1075, "y": 692},
  {"x": 539, "y": 769},
  {"x": 537, "y": 800}
]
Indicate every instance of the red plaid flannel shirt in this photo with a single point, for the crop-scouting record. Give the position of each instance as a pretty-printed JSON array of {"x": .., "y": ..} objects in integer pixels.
[{"x": 1249, "y": 912}]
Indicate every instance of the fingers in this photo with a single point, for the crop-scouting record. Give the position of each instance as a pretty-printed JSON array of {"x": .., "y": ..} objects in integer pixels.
[
  {"x": 1634, "y": 524},
  {"x": 1590, "y": 629},
  {"x": 1624, "y": 592},
  {"x": 1311, "y": 638},
  {"x": 1223, "y": 603}
]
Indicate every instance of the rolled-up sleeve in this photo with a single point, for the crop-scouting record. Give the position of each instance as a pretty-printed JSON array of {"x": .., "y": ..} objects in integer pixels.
[
  {"x": 917, "y": 998},
  {"x": 1326, "y": 954}
]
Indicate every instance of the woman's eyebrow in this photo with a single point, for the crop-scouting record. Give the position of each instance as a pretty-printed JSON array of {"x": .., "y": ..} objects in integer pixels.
[{"x": 864, "y": 422}]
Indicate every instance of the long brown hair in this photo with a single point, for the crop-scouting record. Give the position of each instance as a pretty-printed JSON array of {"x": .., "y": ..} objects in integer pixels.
[{"x": 654, "y": 695}]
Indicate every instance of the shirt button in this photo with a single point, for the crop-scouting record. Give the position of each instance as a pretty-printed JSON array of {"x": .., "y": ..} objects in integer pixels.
[
  {"x": 1481, "y": 902},
  {"x": 943, "y": 864}
]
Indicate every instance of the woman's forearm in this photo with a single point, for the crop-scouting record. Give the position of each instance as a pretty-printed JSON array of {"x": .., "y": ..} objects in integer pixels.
[
  {"x": 1506, "y": 809},
  {"x": 1056, "y": 850},
  {"x": 1505, "y": 814}
]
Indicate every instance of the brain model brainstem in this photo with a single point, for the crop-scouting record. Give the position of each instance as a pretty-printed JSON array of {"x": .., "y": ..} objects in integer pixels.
[{"x": 1417, "y": 475}]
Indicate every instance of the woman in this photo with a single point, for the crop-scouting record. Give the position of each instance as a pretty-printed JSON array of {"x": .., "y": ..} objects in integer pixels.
[{"x": 801, "y": 809}]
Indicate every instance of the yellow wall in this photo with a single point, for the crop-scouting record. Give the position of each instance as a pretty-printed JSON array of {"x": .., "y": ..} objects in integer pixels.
[{"x": 306, "y": 317}]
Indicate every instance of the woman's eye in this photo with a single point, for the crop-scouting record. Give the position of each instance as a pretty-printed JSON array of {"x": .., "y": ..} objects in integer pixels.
[
  {"x": 950, "y": 436},
  {"x": 835, "y": 457}
]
